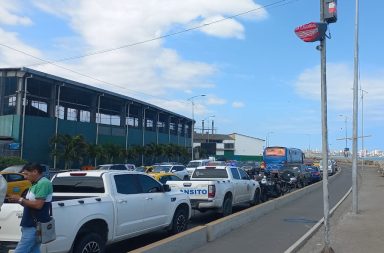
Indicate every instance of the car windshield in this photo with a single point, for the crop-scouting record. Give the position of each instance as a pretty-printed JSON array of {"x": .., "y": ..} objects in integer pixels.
[
  {"x": 140, "y": 169},
  {"x": 161, "y": 168},
  {"x": 210, "y": 173},
  {"x": 102, "y": 167},
  {"x": 193, "y": 164}
]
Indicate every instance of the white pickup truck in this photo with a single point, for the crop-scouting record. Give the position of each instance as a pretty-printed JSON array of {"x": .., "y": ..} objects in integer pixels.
[
  {"x": 95, "y": 208},
  {"x": 219, "y": 188}
]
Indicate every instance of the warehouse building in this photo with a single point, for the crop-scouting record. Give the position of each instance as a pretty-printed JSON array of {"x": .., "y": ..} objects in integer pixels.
[
  {"x": 35, "y": 106},
  {"x": 229, "y": 146}
]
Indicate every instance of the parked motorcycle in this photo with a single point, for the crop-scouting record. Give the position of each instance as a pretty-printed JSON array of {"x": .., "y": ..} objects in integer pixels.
[{"x": 271, "y": 186}]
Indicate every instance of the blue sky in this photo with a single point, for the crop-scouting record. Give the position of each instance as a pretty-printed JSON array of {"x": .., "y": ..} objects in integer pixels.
[{"x": 258, "y": 77}]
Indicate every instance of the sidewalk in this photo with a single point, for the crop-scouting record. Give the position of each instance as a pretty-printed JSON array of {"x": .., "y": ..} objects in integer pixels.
[{"x": 361, "y": 233}]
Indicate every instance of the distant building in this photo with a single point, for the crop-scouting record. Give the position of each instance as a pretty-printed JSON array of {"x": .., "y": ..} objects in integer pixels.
[
  {"x": 34, "y": 106},
  {"x": 228, "y": 146}
]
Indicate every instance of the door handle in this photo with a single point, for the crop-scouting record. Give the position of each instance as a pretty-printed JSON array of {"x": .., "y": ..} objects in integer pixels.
[
  {"x": 122, "y": 201},
  {"x": 148, "y": 198}
]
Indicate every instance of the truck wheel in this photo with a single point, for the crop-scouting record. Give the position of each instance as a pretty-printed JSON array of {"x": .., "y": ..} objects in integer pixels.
[
  {"x": 227, "y": 206},
  {"x": 89, "y": 243},
  {"x": 256, "y": 198},
  {"x": 180, "y": 221}
]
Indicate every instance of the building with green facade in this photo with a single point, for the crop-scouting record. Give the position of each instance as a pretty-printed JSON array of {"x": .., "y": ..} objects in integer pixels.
[{"x": 35, "y": 106}]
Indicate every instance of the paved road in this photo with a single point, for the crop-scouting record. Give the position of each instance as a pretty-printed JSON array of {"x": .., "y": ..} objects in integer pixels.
[
  {"x": 285, "y": 225},
  {"x": 278, "y": 230}
]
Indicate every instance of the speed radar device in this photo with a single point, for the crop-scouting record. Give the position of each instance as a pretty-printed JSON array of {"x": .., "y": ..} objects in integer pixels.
[{"x": 311, "y": 32}]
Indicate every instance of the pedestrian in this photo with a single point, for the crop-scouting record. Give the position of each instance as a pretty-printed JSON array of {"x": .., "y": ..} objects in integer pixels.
[{"x": 37, "y": 206}]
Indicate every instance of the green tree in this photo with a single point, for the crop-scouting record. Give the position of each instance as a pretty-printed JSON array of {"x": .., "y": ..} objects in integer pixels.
[
  {"x": 69, "y": 148},
  {"x": 7, "y": 161}
]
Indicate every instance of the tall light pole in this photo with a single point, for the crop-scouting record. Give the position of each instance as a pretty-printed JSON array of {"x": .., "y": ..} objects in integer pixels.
[
  {"x": 355, "y": 113},
  {"x": 346, "y": 134},
  {"x": 193, "y": 120},
  {"x": 267, "y": 142},
  {"x": 24, "y": 108},
  {"x": 207, "y": 118},
  {"x": 362, "y": 128}
]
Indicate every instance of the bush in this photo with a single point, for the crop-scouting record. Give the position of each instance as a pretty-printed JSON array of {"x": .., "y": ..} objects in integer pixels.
[{"x": 9, "y": 161}]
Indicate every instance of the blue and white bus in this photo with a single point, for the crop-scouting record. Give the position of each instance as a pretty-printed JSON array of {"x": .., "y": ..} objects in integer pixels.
[{"x": 276, "y": 159}]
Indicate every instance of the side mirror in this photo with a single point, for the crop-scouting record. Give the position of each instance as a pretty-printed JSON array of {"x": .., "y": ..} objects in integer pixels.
[{"x": 166, "y": 188}]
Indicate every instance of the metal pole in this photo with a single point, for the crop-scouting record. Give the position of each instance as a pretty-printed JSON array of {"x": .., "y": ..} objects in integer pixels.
[
  {"x": 97, "y": 124},
  {"x": 23, "y": 126},
  {"x": 127, "y": 127},
  {"x": 193, "y": 120},
  {"x": 57, "y": 124},
  {"x": 355, "y": 114},
  {"x": 346, "y": 135},
  {"x": 144, "y": 123},
  {"x": 324, "y": 130},
  {"x": 193, "y": 128},
  {"x": 157, "y": 128},
  {"x": 362, "y": 129}
]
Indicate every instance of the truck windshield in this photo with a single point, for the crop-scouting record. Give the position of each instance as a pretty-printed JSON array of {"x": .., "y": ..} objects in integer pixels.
[
  {"x": 210, "y": 173},
  {"x": 78, "y": 184}
]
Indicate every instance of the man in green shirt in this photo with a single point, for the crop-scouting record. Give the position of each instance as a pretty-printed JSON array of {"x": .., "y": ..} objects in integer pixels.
[{"x": 36, "y": 205}]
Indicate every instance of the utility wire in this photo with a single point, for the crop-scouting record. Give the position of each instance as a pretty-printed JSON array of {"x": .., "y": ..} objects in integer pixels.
[{"x": 274, "y": 4}]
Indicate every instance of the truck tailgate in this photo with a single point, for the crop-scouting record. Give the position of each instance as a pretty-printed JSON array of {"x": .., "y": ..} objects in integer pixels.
[
  {"x": 196, "y": 190},
  {"x": 10, "y": 217}
]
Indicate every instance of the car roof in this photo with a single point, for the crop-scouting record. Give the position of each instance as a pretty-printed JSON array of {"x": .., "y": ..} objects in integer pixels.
[{"x": 96, "y": 173}]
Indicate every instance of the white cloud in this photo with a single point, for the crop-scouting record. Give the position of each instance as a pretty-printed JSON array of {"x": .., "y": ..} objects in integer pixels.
[
  {"x": 214, "y": 100},
  {"x": 339, "y": 88},
  {"x": 9, "y": 57},
  {"x": 226, "y": 29},
  {"x": 8, "y": 13},
  {"x": 148, "y": 68},
  {"x": 238, "y": 104}
]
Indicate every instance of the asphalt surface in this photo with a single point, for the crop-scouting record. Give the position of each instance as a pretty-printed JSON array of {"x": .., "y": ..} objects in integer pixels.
[
  {"x": 361, "y": 232},
  {"x": 279, "y": 229}
]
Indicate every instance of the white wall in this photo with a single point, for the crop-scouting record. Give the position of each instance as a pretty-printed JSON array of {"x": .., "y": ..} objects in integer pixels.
[{"x": 245, "y": 145}]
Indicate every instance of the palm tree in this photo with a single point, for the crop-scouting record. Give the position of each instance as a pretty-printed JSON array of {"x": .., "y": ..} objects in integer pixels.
[{"x": 69, "y": 148}]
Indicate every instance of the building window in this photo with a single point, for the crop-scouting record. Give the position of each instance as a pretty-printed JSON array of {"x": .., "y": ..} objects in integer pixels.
[
  {"x": 12, "y": 101},
  {"x": 229, "y": 145},
  {"x": 85, "y": 116},
  {"x": 71, "y": 114},
  {"x": 59, "y": 112},
  {"x": 42, "y": 106}
]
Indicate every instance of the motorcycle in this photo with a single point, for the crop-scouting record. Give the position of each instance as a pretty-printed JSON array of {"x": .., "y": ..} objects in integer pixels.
[{"x": 271, "y": 186}]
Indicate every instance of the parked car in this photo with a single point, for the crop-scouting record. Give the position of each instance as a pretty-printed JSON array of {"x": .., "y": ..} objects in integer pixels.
[
  {"x": 145, "y": 169},
  {"x": 331, "y": 167},
  {"x": 315, "y": 174},
  {"x": 192, "y": 165},
  {"x": 178, "y": 169},
  {"x": 164, "y": 177},
  {"x": 252, "y": 170},
  {"x": 16, "y": 183},
  {"x": 19, "y": 168},
  {"x": 116, "y": 166},
  {"x": 302, "y": 174}
]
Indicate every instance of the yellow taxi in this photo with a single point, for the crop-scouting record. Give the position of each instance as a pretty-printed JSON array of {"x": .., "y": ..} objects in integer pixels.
[
  {"x": 16, "y": 183},
  {"x": 163, "y": 177}
]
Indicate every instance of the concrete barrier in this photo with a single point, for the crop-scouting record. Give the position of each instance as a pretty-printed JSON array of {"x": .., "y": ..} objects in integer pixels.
[{"x": 198, "y": 236}]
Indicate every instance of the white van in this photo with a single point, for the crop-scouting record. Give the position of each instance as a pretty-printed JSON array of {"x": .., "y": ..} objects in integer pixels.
[{"x": 192, "y": 165}]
